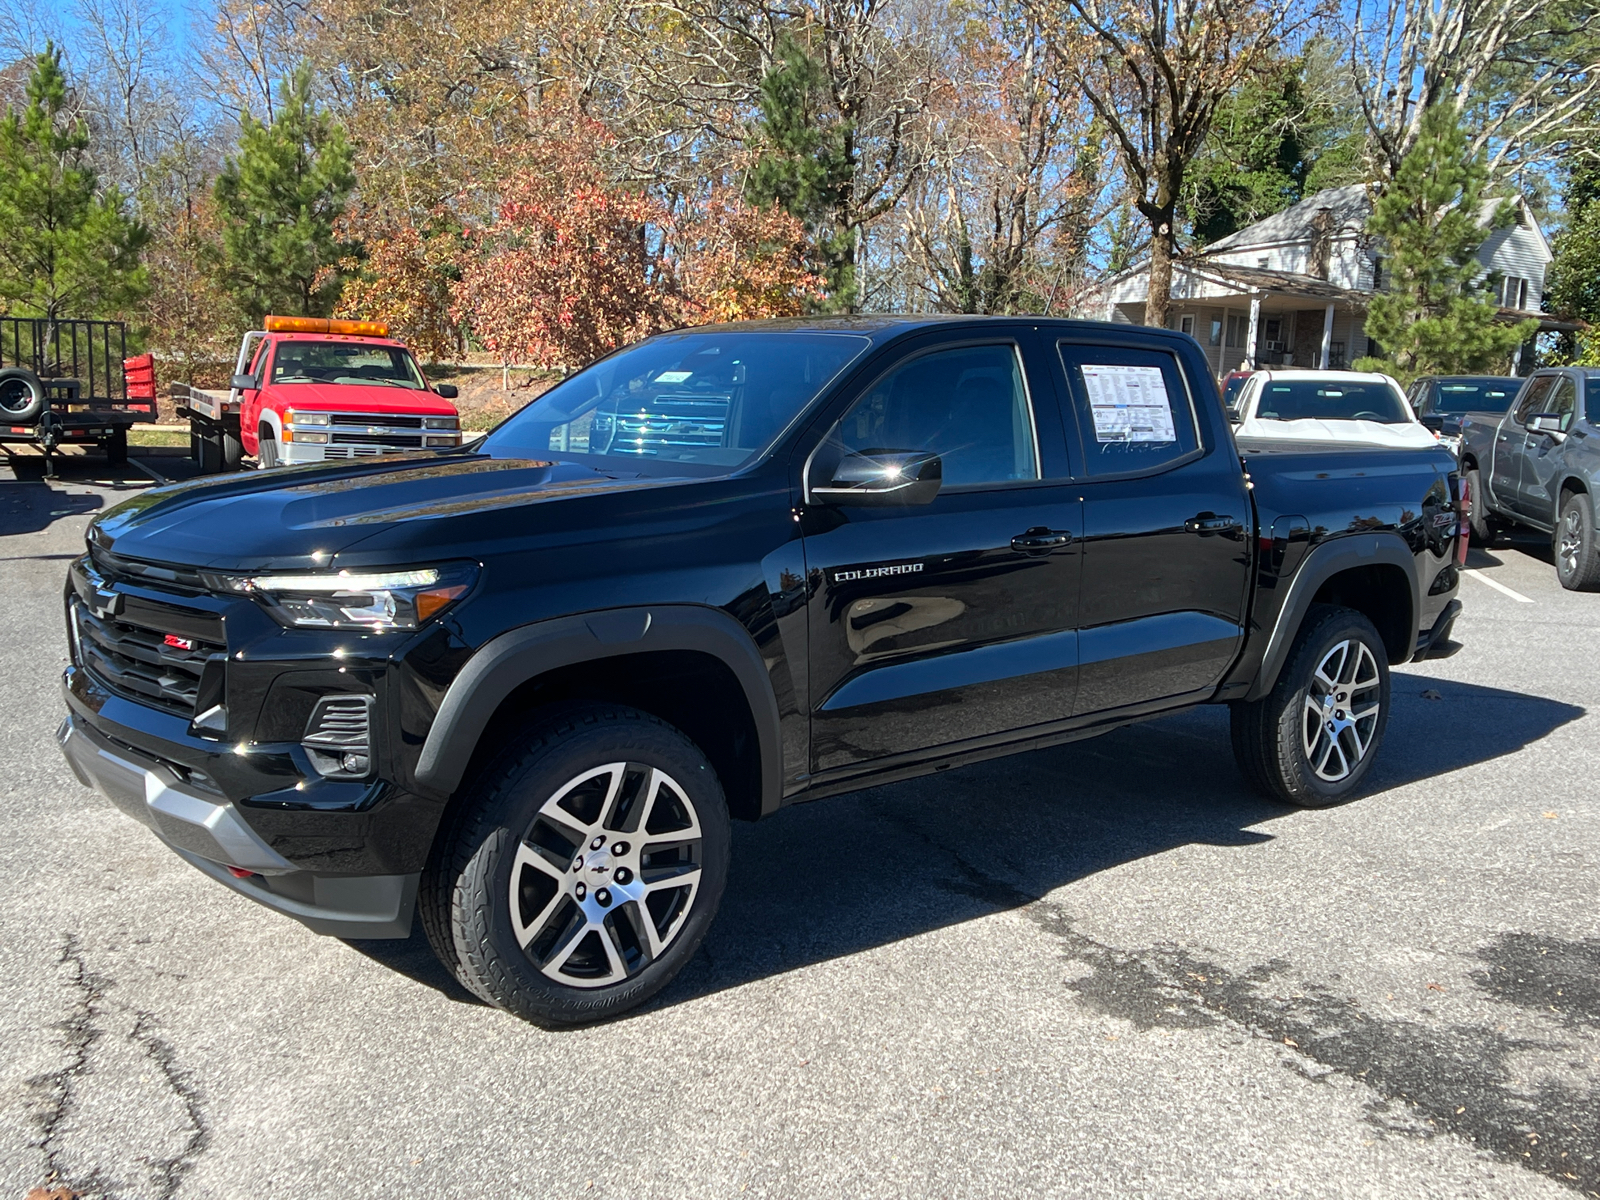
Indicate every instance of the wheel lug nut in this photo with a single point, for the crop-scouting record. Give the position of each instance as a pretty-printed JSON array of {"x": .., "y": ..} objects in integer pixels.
[
  {"x": 624, "y": 876},
  {"x": 580, "y": 891},
  {"x": 619, "y": 847},
  {"x": 603, "y": 896},
  {"x": 600, "y": 840},
  {"x": 577, "y": 863}
]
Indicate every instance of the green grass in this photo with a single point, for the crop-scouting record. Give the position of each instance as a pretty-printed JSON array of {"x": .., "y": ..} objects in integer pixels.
[{"x": 166, "y": 435}]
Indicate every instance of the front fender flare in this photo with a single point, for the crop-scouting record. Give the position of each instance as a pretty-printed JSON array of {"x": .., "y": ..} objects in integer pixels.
[
  {"x": 1320, "y": 565},
  {"x": 513, "y": 658}
]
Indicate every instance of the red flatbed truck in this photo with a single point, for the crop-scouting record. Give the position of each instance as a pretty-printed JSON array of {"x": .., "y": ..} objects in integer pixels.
[{"x": 310, "y": 389}]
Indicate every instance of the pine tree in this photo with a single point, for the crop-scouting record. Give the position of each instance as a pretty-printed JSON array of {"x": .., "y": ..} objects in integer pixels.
[
  {"x": 806, "y": 166},
  {"x": 1438, "y": 315},
  {"x": 67, "y": 247},
  {"x": 279, "y": 201}
]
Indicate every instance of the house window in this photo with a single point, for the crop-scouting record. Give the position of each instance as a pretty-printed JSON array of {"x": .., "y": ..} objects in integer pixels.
[
  {"x": 1513, "y": 292},
  {"x": 1216, "y": 333},
  {"x": 1336, "y": 356},
  {"x": 1186, "y": 324},
  {"x": 1236, "y": 329}
]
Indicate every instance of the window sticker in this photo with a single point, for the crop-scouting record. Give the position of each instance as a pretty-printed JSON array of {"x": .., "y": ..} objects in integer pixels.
[{"x": 1130, "y": 404}]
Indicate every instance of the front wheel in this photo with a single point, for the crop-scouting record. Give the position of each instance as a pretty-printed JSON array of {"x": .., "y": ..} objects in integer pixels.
[
  {"x": 1576, "y": 554},
  {"x": 582, "y": 871},
  {"x": 266, "y": 448},
  {"x": 1312, "y": 739},
  {"x": 1478, "y": 508}
]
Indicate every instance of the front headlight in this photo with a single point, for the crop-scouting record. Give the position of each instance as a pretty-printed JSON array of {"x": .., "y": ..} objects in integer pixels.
[
  {"x": 298, "y": 417},
  {"x": 440, "y": 422},
  {"x": 373, "y": 600}
]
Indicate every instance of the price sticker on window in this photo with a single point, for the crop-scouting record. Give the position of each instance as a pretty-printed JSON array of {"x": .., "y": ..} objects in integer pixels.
[{"x": 1130, "y": 404}]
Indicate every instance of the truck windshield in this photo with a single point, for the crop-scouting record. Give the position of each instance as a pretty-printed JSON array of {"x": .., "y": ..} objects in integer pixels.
[
  {"x": 709, "y": 400},
  {"x": 344, "y": 362},
  {"x": 1328, "y": 400},
  {"x": 1476, "y": 395}
]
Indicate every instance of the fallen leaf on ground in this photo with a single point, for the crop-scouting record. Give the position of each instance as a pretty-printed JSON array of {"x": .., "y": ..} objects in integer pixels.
[
  {"x": 1434, "y": 987},
  {"x": 1549, "y": 816}
]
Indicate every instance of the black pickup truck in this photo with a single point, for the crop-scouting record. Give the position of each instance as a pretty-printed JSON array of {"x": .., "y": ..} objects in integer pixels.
[{"x": 521, "y": 688}]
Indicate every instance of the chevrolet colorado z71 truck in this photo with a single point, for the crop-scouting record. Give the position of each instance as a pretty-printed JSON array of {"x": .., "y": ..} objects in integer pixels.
[
  {"x": 1537, "y": 464},
  {"x": 521, "y": 688},
  {"x": 309, "y": 389}
]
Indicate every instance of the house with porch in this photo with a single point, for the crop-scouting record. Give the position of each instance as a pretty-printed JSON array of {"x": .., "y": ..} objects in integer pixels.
[{"x": 1292, "y": 289}]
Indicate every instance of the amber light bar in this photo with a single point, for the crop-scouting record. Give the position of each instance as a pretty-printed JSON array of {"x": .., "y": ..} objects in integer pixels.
[{"x": 326, "y": 325}]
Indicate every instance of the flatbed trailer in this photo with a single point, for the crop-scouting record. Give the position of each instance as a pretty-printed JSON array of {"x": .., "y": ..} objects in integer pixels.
[{"x": 65, "y": 382}]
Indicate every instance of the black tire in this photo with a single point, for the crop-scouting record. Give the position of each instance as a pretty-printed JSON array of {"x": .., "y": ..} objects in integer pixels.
[
  {"x": 210, "y": 444},
  {"x": 21, "y": 395},
  {"x": 116, "y": 447},
  {"x": 1477, "y": 511},
  {"x": 266, "y": 448},
  {"x": 1271, "y": 735},
  {"x": 1573, "y": 544},
  {"x": 232, "y": 447},
  {"x": 539, "y": 818}
]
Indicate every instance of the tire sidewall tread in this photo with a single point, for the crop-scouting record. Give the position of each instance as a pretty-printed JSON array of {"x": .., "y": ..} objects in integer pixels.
[{"x": 462, "y": 895}]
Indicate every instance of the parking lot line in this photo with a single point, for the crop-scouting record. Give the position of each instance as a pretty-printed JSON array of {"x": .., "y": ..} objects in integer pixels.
[{"x": 1498, "y": 586}]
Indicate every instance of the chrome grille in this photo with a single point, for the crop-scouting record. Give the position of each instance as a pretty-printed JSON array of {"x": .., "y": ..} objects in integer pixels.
[{"x": 366, "y": 419}]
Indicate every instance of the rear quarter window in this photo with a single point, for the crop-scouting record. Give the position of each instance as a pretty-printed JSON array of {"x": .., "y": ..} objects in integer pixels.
[{"x": 1133, "y": 408}]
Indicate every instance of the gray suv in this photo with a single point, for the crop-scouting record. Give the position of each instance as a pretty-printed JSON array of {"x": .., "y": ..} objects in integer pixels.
[{"x": 1538, "y": 465}]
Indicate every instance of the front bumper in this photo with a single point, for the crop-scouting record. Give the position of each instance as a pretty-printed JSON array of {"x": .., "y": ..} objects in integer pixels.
[{"x": 208, "y": 832}]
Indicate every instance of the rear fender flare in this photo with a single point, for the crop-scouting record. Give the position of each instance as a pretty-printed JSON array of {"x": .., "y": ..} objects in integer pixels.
[
  {"x": 519, "y": 655},
  {"x": 1320, "y": 565}
]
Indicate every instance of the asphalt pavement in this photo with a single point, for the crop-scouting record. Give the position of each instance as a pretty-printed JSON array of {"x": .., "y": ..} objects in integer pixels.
[{"x": 1100, "y": 970}]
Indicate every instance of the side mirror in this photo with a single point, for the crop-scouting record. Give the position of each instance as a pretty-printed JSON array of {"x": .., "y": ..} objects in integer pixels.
[
  {"x": 1545, "y": 423},
  {"x": 447, "y": 390},
  {"x": 880, "y": 478},
  {"x": 244, "y": 383}
]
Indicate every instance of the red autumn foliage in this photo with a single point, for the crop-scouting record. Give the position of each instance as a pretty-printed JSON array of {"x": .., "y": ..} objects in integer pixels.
[{"x": 574, "y": 266}]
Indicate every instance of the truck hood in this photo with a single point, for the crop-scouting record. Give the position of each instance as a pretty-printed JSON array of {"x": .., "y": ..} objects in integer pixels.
[
  {"x": 362, "y": 398},
  {"x": 295, "y": 518},
  {"x": 1412, "y": 434}
]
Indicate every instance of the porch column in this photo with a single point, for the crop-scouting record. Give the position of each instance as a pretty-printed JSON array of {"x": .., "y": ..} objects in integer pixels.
[
  {"x": 1327, "y": 338},
  {"x": 1255, "y": 324}
]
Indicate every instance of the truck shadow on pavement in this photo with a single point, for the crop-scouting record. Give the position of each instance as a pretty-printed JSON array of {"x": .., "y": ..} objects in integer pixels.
[{"x": 847, "y": 874}]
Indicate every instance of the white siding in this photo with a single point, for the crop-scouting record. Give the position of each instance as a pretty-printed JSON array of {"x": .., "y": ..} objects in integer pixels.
[{"x": 1518, "y": 252}]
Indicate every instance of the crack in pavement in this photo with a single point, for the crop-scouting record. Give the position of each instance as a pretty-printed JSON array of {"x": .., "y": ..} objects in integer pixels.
[
  {"x": 172, "y": 1169},
  {"x": 60, "y": 1086},
  {"x": 83, "y": 1029},
  {"x": 1456, "y": 1079}
]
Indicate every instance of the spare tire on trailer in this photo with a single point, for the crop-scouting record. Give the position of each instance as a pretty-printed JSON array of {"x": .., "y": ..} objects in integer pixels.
[{"x": 21, "y": 395}]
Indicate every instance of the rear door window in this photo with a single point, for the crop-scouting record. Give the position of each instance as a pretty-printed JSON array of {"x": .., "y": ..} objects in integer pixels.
[{"x": 1133, "y": 408}]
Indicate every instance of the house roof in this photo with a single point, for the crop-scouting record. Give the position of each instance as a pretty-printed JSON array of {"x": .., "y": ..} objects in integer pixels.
[
  {"x": 1268, "y": 280},
  {"x": 1350, "y": 207}
]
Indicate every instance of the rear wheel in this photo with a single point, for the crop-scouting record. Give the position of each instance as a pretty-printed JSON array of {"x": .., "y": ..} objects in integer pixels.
[
  {"x": 1312, "y": 739},
  {"x": 581, "y": 871},
  {"x": 1576, "y": 554}
]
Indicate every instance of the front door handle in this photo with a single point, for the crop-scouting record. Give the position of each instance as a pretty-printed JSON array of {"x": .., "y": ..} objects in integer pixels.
[
  {"x": 1040, "y": 540},
  {"x": 1206, "y": 524}
]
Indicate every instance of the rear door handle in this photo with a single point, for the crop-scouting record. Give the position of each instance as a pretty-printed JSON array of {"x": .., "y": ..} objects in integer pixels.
[
  {"x": 1206, "y": 524},
  {"x": 1040, "y": 540}
]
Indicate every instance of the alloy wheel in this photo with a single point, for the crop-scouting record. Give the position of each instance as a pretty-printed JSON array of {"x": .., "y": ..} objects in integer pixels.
[
  {"x": 1341, "y": 710},
  {"x": 1569, "y": 544},
  {"x": 603, "y": 881}
]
